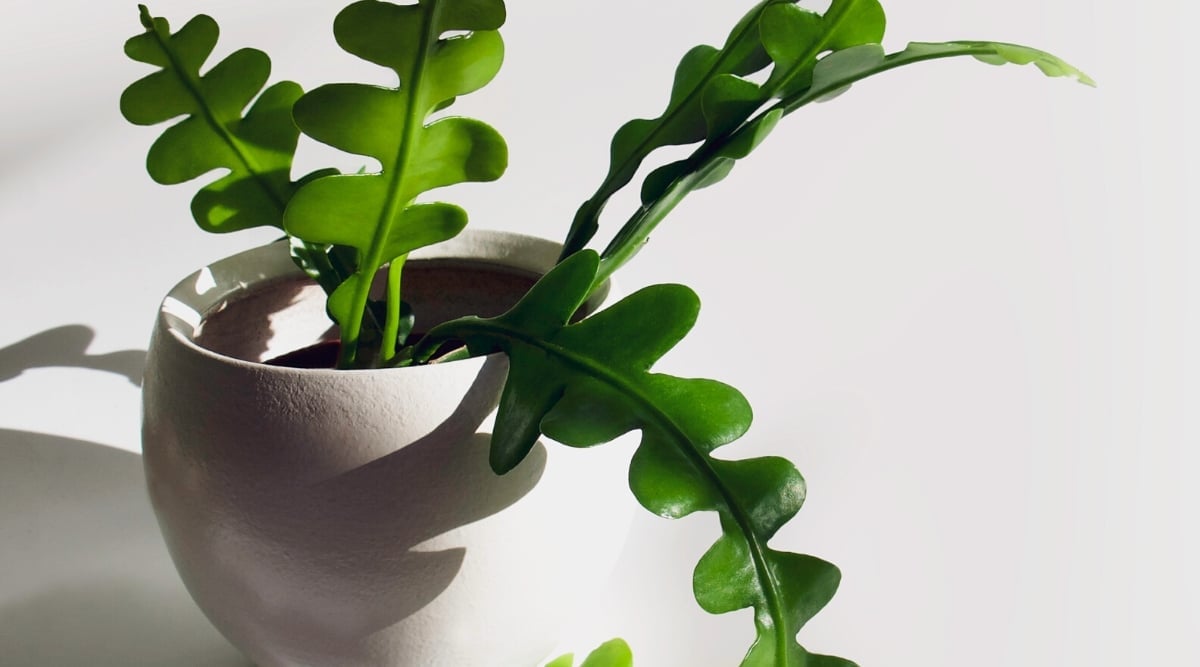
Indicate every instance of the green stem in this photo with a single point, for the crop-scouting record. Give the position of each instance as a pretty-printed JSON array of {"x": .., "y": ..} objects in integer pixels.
[
  {"x": 391, "y": 327},
  {"x": 393, "y": 205}
]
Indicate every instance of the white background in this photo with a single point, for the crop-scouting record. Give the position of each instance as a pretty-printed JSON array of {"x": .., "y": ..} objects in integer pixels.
[{"x": 961, "y": 298}]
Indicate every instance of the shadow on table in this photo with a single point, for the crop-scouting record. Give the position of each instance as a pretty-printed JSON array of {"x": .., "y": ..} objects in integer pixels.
[
  {"x": 66, "y": 346},
  {"x": 84, "y": 578}
]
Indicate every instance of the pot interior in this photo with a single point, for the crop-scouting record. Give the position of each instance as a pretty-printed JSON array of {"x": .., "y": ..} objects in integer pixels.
[{"x": 272, "y": 317}]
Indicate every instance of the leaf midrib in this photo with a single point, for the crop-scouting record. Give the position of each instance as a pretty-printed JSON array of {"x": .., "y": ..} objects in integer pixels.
[
  {"x": 817, "y": 47},
  {"x": 607, "y": 188},
  {"x": 193, "y": 87},
  {"x": 413, "y": 122},
  {"x": 757, "y": 546}
]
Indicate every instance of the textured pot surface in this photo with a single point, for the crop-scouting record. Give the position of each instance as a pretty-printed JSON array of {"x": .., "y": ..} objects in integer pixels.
[{"x": 349, "y": 518}]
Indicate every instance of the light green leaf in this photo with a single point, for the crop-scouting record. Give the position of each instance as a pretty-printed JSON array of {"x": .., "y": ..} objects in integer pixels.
[
  {"x": 612, "y": 653},
  {"x": 256, "y": 149},
  {"x": 377, "y": 213},
  {"x": 839, "y": 70}
]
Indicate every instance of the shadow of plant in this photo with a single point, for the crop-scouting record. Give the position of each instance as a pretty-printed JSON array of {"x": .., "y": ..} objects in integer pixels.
[
  {"x": 66, "y": 346},
  {"x": 87, "y": 582},
  {"x": 328, "y": 552}
]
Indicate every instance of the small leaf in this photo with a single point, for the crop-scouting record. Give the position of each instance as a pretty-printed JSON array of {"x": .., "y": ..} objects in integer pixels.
[
  {"x": 256, "y": 150},
  {"x": 339, "y": 305},
  {"x": 612, "y": 653}
]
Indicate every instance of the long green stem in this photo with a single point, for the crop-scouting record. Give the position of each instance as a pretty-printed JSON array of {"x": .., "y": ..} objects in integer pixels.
[
  {"x": 391, "y": 327},
  {"x": 393, "y": 204}
]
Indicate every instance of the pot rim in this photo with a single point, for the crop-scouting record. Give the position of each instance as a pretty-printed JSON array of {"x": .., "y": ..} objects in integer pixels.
[{"x": 186, "y": 305}]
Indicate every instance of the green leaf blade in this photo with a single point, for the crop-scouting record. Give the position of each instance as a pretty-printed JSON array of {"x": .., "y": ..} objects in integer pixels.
[
  {"x": 456, "y": 150},
  {"x": 843, "y": 68},
  {"x": 795, "y": 38},
  {"x": 589, "y": 413},
  {"x": 637, "y": 331},
  {"x": 156, "y": 98},
  {"x": 770, "y": 489},
  {"x": 667, "y": 480},
  {"x": 416, "y": 154},
  {"x": 529, "y": 393},
  {"x": 337, "y": 209},
  {"x": 256, "y": 151},
  {"x": 682, "y": 122},
  {"x": 232, "y": 83},
  {"x": 356, "y": 118},
  {"x": 612, "y": 653},
  {"x": 590, "y": 381}
]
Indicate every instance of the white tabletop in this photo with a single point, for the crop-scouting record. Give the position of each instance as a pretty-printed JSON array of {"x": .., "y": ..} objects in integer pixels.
[{"x": 982, "y": 357}]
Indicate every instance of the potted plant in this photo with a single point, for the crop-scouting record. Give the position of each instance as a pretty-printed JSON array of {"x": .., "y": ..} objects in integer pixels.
[{"x": 345, "y": 431}]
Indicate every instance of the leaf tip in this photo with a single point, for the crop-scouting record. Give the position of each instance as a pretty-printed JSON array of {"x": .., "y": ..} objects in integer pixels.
[{"x": 144, "y": 16}]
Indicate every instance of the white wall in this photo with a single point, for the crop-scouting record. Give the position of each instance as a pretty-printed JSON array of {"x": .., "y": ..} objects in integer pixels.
[{"x": 963, "y": 299}]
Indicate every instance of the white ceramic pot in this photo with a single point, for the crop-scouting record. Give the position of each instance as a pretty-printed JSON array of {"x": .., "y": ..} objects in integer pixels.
[{"x": 349, "y": 518}]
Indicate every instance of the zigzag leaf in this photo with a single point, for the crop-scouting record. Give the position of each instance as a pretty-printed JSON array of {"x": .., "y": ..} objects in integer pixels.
[
  {"x": 376, "y": 213},
  {"x": 815, "y": 58},
  {"x": 837, "y": 71},
  {"x": 256, "y": 149},
  {"x": 796, "y": 37},
  {"x": 588, "y": 382},
  {"x": 684, "y": 120}
]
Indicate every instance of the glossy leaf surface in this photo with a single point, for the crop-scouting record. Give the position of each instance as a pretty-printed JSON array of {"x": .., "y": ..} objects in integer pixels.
[
  {"x": 256, "y": 148},
  {"x": 684, "y": 120},
  {"x": 815, "y": 57},
  {"x": 585, "y": 383},
  {"x": 377, "y": 213}
]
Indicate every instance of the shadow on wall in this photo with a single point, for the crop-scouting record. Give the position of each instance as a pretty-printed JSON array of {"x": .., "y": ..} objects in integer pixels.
[
  {"x": 86, "y": 579},
  {"x": 66, "y": 346}
]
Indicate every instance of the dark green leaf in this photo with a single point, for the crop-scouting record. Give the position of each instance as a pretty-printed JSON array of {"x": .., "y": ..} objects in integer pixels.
[
  {"x": 684, "y": 121},
  {"x": 796, "y": 37},
  {"x": 591, "y": 381}
]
